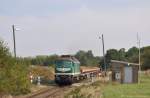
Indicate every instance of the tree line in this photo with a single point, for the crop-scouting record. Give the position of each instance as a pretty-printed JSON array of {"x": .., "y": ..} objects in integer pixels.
[{"x": 87, "y": 58}]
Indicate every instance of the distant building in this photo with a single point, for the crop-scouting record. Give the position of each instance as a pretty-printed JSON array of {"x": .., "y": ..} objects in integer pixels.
[{"x": 124, "y": 72}]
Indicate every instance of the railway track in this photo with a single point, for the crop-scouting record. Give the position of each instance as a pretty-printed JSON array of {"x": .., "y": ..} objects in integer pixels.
[
  {"x": 57, "y": 93},
  {"x": 52, "y": 92}
]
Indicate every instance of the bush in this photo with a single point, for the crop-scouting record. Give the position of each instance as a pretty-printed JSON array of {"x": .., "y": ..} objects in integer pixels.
[{"x": 13, "y": 76}]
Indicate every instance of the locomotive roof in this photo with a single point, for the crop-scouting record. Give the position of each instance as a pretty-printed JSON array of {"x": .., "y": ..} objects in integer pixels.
[{"x": 69, "y": 58}]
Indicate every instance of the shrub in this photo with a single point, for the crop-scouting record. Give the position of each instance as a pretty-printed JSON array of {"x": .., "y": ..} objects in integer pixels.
[{"x": 13, "y": 76}]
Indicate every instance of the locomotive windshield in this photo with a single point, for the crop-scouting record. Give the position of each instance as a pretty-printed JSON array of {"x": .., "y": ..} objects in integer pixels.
[{"x": 63, "y": 63}]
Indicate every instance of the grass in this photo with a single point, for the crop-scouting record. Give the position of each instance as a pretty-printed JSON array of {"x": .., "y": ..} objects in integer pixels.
[
  {"x": 141, "y": 90},
  {"x": 86, "y": 91},
  {"x": 113, "y": 90}
]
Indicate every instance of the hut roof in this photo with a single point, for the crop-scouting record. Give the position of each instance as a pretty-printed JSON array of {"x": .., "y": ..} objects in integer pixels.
[{"x": 123, "y": 62}]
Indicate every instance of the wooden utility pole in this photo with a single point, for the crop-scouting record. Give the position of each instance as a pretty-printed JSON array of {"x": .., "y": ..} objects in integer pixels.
[
  {"x": 14, "y": 40},
  {"x": 102, "y": 38},
  {"x": 104, "y": 53}
]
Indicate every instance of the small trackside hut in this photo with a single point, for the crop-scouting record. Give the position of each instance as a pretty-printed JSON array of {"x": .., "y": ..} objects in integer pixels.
[{"x": 124, "y": 72}]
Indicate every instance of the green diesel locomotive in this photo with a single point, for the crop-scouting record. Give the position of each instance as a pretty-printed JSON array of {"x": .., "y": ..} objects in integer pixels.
[{"x": 67, "y": 69}]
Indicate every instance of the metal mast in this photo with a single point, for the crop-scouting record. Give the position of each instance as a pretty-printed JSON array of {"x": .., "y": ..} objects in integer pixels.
[{"x": 139, "y": 42}]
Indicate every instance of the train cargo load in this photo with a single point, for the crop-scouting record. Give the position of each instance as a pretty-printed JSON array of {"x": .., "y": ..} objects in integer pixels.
[{"x": 87, "y": 69}]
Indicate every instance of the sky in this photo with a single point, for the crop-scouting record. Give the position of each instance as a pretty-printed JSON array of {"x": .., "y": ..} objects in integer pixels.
[{"x": 49, "y": 27}]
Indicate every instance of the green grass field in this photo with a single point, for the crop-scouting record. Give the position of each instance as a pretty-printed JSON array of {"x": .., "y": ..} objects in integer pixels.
[
  {"x": 101, "y": 89},
  {"x": 141, "y": 90}
]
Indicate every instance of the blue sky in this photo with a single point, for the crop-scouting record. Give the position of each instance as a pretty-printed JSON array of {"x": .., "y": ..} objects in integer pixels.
[{"x": 66, "y": 26}]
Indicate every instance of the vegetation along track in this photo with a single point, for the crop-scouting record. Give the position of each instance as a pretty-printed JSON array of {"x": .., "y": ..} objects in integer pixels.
[{"x": 52, "y": 92}]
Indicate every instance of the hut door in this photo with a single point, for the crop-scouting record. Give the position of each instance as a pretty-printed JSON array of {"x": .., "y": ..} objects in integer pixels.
[
  {"x": 128, "y": 74},
  {"x": 118, "y": 76}
]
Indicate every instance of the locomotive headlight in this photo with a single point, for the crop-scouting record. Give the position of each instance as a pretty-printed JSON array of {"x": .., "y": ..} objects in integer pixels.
[{"x": 62, "y": 69}]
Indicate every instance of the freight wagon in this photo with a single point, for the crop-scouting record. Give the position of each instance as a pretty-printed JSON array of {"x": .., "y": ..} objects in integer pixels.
[{"x": 68, "y": 70}]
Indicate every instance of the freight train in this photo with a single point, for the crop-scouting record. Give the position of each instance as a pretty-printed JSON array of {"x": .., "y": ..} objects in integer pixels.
[{"x": 68, "y": 70}]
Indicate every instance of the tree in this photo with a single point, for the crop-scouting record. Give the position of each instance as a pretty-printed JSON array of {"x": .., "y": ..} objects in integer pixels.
[
  {"x": 81, "y": 56},
  {"x": 87, "y": 58},
  {"x": 132, "y": 54},
  {"x": 111, "y": 54},
  {"x": 50, "y": 60},
  {"x": 89, "y": 54},
  {"x": 145, "y": 57},
  {"x": 122, "y": 54},
  {"x": 4, "y": 54}
]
